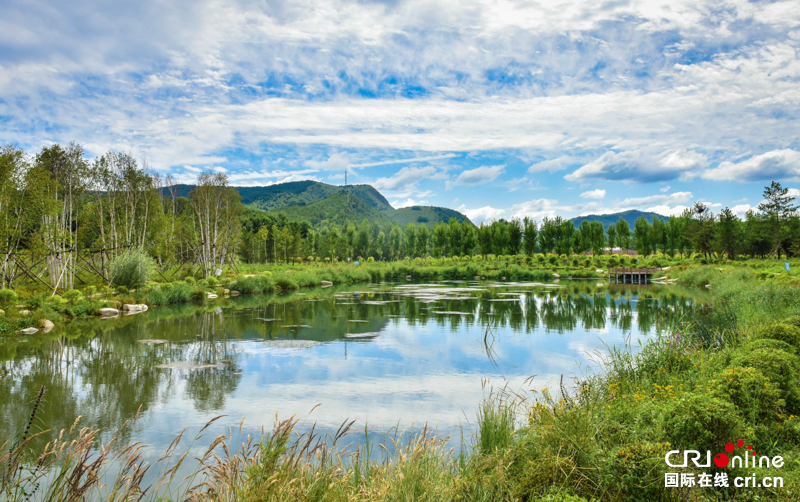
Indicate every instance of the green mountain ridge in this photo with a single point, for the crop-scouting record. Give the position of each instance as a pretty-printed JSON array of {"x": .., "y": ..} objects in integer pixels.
[
  {"x": 321, "y": 203},
  {"x": 630, "y": 216}
]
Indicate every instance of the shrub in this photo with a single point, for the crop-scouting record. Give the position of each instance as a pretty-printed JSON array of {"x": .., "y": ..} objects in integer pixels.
[
  {"x": 698, "y": 421},
  {"x": 780, "y": 331},
  {"x": 90, "y": 290},
  {"x": 540, "y": 258},
  {"x": 212, "y": 281},
  {"x": 202, "y": 283},
  {"x": 132, "y": 268},
  {"x": 779, "y": 366},
  {"x": 122, "y": 290},
  {"x": 8, "y": 297},
  {"x": 58, "y": 299},
  {"x": 750, "y": 391},
  {"x": 612, "y": 262},
  {"x": 190, "y": 280},
  {"x": 72, "y": 295},
  {"x": 574, "y": 262},
  {"x": 634, "y": 472},
  {"x": 552, "y": 259}
]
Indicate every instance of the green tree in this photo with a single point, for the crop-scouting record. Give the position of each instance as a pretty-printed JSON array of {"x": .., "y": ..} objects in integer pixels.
[
  {"x": 440, "y": 237},
  {"x": 454, "y": 236},
  {"x": 642, "y": 236},
  {"x": 777, "y": 207},
  {"x": 514, "y": 236},
  {"x": 530, "y": 234},
  {"x": 423, "y": 236},
  {"x": 548, "y": 233},
  {"x": 700, "y": 230},
  {"x": 728, "y": 234},
  {"x": 623, "y": 231},
  {"x": 566, "y": 230},
  {"x": 410, "y": 239}
]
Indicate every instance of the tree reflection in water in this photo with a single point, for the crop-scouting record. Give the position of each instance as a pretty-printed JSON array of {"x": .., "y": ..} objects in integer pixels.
[{"x": 100, "y": 370}]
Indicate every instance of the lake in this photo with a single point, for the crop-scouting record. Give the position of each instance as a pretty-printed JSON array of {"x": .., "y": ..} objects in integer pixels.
[{"x": 385, "y": 355}]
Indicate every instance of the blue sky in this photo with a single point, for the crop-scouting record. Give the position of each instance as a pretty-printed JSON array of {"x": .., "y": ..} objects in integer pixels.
[{"x": 497, "y": 108}]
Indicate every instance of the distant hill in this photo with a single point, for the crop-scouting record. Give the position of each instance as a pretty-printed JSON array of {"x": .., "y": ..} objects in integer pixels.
[
  {"x": 425, "y": 214},
  {"x": 339, "y": 208},
  {"x": 322, "y": 203},
  {"x": 629, "y": 216}
]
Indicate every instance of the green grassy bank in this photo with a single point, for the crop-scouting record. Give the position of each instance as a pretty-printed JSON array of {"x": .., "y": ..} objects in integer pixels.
[{"x": 732, "y": 372}]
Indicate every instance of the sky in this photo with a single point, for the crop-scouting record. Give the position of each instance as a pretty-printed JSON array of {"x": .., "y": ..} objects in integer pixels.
[{"x": 498, "y": 108}]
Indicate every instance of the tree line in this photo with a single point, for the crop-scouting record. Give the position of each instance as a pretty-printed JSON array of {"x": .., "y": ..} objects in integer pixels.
[{"x": 67, "y": 214}]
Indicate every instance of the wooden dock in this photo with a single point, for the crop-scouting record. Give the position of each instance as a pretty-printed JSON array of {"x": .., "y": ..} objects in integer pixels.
[{"x": 631, "y": 275}]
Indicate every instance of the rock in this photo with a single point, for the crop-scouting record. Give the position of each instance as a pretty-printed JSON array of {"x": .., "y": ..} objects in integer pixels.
[
  {"x": 408, "y": 277},
  {"x": 250, "y": 275},
  {"x": 108, "y": 312},
  {"x": 211, "y": 296},
  {"x": 477, "y": 278},
  {"x": 504, "y": 278},
  {"x": 28, "y": 331},
  {"x": 235, "y": 293},
  {"x": 2, "y": 311},
  {"x": 46, "y": 325},
  {"x": 325, "y": 284},
  {"x": 19, "y": 306},
  {"x": 24, "y": 312},
  {"x": 226, "y": 291},
  {"x": 483, "y": 278},
  {"x": 134, "y": 307},
  {"x": 556, "y": 275}
]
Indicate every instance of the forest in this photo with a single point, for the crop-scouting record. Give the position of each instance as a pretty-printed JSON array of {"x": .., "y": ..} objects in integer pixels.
[{"x": 61, "y": 213}]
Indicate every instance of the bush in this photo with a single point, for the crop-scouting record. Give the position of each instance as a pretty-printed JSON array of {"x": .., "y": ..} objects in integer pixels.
[
  {"x": 780, "y": 331},
  {"x": 574, "y": 262},
  {"x": 90, "y": 290},
  {"x": 552, "y": 259},
  {"x": 212, "y": 281},
  {"x": 190, "y": 280},
  {"x": 72, "y": 295},
  {"x": 202, "y": 283},
  {"x": 131, "y": 269},
  {"x": 698, "y": 421},
  {"x": 779, "y": 366},
  {"x": 540, "y": 258},
  {"x": 8, "y": 297},
  {"x": 755, "y": 396},
  {"x": 634, "y": 472}
]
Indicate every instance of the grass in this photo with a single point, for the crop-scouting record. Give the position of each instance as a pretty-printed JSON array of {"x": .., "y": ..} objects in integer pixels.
[{"x": 730, "y": 372}]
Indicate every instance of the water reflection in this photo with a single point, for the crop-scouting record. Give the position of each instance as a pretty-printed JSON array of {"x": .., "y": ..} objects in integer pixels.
[{"x": 382, "y": 354}]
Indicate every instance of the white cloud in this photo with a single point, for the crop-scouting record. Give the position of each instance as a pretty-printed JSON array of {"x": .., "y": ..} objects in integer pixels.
[
  {"x": 485, "y": 213},
  {"x": 594, "y": 194},
  {"x": 536, "y": 209},
  {"x": 552, "y": 165},
  {"x": 639, "y": 166},
  {"x": 335, "y": 162},
  {"x": 479, "y": 175},
  {"x": 664, "y": 189},
  {"x": 741, "y": 209},
  {"x": 408, "y": 203},
  {"x": 405, "y": 178},
  {"x": 773, "y": 165}
]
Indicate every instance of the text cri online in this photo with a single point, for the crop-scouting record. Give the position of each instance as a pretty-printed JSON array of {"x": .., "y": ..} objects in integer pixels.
[{"x": 719, "y": 480}]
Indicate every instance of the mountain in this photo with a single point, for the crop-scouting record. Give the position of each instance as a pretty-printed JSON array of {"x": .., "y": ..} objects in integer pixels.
[
  {"x": 322, "y": 203},
  {"x": 425, "y": 214},
  {"x": 340, "y": 208},
  {"x": 629, "y": 216}
]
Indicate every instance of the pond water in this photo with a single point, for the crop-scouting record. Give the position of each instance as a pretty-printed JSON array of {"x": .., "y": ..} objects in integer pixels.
[{"x": 381, "y": 354}]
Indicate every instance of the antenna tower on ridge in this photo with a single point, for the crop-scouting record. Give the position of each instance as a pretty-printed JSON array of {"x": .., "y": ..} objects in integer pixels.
[{"x": 345, "y": 177}]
